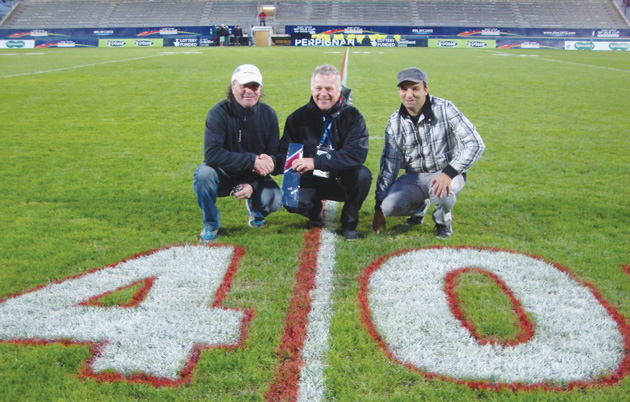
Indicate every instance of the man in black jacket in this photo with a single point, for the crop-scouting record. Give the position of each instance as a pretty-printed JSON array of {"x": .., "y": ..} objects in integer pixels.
[
  {"x": 240, "y": 140},
  {"x": 335, "y": 141}
]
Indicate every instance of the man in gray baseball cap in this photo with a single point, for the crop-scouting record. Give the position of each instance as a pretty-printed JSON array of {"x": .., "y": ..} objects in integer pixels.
[
  {"x": 412, "y": 74},
  {"x": 436, "y": 145}
]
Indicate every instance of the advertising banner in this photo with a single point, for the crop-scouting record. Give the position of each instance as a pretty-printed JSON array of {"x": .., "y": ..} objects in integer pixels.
[
  {"x": 142, "y": 32},
  {"x": 153, "y": 42},
  {"x": 17, "y": 44},
  {"x": 462, "y": 31},
  {"x": 188, "y": 42},
  {"x": 356, "y": 37},
  {"x": 65, "y": 43},
  {"x": 522, "y": 43},
  {"x": 471, "y": 43},
  {"x": 620, "y": 46}
]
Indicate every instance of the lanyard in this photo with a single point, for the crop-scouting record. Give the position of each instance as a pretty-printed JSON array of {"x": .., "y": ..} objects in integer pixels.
[{"x": 326, "y": 136}]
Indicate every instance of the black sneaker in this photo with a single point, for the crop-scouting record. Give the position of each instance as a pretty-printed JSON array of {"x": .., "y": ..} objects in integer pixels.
[
  {"x": 351, "y": 235},
  {"x": 316, "y": 223},
  {"x": 415, "y": 220},
  {"x": 443, "y": 231}
]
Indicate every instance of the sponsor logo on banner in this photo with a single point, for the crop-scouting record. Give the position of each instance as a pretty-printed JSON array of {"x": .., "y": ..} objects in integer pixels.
[
  {"x": 559, "y": 33},
  {"x": 353, "y": 30},
  {"x": 584, "y": 45},
  {"x": 186, "y": 42},
  {"x": 66, "y": 43},
  {"x": 619, "y": 46},
  {"x": 476, "y": 43},
  {"x": 385, "y": 42},
  {"x": 144, "y": 43},
  {"x": 324, "y": 42},
  {"x": 447, "y": 43},
  {"x": 490, "y": 32},
  {"x": 406, "y": 43},
  {"x": 205, "y": 42},
  {"x": 422, "y": 31},
  {"x": 168, "y": 31},
  {"x": 17, "y": 44},
  {"x": 305, "y": 29},
  {"x": 530, "y": 45},
  {"x": 116, "y": 43},
  {"x": 608, "y": 33},
  {"x": 103, "y": 32},
  {"x": 39, "y": 32}
]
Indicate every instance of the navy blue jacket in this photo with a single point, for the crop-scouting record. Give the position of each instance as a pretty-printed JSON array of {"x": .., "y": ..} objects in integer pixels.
[
  {"x": 234, "y": 135},
  {"x": 349, "y": 136}
]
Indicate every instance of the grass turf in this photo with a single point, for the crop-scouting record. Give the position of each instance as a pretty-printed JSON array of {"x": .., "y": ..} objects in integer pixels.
[{"x": 98, "y": 147}]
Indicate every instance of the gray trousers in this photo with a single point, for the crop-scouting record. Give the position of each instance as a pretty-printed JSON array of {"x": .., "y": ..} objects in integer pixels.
[{"x": 410, "y": 195}]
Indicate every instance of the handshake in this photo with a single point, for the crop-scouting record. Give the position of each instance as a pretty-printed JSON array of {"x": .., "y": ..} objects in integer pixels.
[{"x": 263, "y": 165}]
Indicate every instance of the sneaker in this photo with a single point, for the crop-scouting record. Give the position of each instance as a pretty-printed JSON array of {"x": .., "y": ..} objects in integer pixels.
[
  {"x": 351, "y": 235},
  {"x": 443, "y": 231},
  {"x": 254, "y": 222},
  {"x": 415, "y": 220},
  {"x": 315, "y": 223},
  {"x": 208, "y": 235}
]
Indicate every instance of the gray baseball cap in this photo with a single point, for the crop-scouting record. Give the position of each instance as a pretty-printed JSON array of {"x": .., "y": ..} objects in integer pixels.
[{"x": 412, "y": 74}]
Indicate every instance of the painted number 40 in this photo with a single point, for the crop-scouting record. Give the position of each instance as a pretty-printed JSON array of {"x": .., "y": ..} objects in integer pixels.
[{"x": 578, "y": 339}]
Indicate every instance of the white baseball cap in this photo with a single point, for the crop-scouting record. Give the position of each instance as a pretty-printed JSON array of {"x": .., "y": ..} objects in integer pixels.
[{"x": 247, "y": 73}]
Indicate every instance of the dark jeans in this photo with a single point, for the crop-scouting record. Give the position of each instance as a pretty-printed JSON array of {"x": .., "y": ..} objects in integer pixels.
[{"x": 348, "y": 186}]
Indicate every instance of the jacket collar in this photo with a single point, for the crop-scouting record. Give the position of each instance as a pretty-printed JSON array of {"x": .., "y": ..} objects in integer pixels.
[
  {"x": 240, "y": 111},
  {"x": 427, "y": 111},
  {"x": 331, "y": 113}
]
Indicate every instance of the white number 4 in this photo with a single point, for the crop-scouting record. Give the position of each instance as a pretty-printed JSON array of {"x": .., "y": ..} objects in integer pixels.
[{"x": 156, "y": 341}]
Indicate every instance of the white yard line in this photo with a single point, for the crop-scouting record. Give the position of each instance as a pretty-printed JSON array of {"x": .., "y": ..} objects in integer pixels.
[
  {"x": 311, "y": 386},
  {"x": 537, "y": 57},
  {"x": 80, "y": 66},
  {"x": 586, "y": 65}
]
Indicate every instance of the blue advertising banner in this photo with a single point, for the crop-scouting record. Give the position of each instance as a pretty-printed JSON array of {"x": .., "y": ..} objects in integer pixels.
[
  {"x": 140, "y": 32},
  {"x": 458, "y": 31},
  {"x": 65, "y": 43},
  {"x": 374, "y": 40},
  {"x": 522, "y": 43},
  {"x": 320, "y": 35}
]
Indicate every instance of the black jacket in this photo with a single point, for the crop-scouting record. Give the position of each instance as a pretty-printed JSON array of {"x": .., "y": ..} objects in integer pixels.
[
  {"x": 349, "y": 136},
  {"x": 234, "y": 136}
]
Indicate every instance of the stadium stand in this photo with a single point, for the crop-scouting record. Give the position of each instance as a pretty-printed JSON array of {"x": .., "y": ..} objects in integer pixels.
[{"x": 33, "y": 14}]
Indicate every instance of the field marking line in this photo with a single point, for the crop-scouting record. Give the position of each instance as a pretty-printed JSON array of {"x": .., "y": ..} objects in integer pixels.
[
  {"x": 344, "y": 67},
  {"x": 80, "y": 66},
  {"x": 585, "y": 65},
  {"x": 311, "y": 386},
  {"x": 568, "y": 62}
]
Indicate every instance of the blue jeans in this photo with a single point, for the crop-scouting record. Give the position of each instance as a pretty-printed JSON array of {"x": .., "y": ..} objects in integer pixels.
[
  {"x": 410, "y": 193},
  {"x": 210, "y": 183}
]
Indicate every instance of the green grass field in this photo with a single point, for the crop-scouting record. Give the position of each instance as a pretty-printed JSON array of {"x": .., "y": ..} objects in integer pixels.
[{"x": 98, "y": 147}]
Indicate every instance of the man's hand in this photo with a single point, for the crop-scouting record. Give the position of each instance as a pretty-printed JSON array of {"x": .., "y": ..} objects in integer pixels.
[
  {"x": 303, "y": 165},
  {"x": 379, "y": 222},
  {"x": 441, "y": 185},
  {"x": 263, "y": 165},
  {"x": 245, "y": 192}
]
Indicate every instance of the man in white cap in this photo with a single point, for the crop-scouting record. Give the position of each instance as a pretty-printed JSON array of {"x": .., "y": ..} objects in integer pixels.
[
  {"x": 436, "y": 145},
  {"x": 240, "y": 140}
]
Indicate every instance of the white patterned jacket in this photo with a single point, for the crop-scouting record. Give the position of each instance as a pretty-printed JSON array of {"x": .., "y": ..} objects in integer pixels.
[{"x": 443, "y": 140}]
